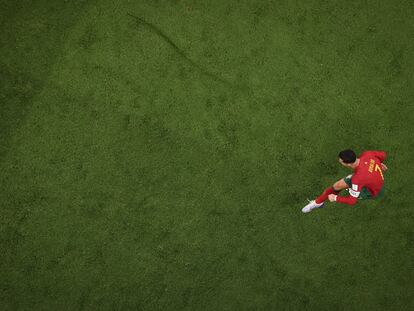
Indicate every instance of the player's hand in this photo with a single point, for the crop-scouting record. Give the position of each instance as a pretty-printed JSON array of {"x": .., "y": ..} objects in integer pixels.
[
  {"x": 384, "y": 167},
  {"x": 332, "y": 197}
]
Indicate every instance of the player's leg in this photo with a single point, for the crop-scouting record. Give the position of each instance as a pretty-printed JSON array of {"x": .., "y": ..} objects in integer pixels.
[
  {"x": 341, "y": 184},
  {"x": 334, "y": 189}
]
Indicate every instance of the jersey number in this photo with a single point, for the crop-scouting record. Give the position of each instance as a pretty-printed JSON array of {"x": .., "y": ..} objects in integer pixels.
[{"x": 378, "y": 168}]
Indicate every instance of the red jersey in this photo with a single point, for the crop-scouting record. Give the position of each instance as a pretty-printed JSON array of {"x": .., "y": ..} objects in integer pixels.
[{"x": 367, "y": 174}]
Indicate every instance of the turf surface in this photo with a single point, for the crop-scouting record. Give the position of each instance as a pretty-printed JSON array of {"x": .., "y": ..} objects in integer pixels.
[{"x": 155, "y": 155}]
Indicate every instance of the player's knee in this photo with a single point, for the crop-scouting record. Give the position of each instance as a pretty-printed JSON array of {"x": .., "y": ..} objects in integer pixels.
[{"x": 339, "y": 185}]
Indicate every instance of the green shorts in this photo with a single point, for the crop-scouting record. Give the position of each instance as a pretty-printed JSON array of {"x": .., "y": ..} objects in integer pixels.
[{"x": 365, "y": 193}]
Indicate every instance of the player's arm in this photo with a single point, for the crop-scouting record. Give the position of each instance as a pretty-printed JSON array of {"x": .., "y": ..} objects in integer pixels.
[
  {"x": 382, "y": 155},
  {"x": 352, "y": 199}
]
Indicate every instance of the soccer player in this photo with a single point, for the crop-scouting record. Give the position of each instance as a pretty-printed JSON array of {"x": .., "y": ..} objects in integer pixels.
[{"x": 366, "y": 183}]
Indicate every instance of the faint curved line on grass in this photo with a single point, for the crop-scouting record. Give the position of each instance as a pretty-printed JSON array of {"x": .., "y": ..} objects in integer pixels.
[{"x": 179, "y": 51}]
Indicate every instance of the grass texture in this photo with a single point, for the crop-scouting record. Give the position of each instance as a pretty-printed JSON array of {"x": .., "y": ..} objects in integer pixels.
[{"x": 155, "y": 155}]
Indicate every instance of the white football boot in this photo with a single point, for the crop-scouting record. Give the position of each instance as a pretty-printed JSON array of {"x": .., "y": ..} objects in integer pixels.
[{"x": 312, "y": 205}]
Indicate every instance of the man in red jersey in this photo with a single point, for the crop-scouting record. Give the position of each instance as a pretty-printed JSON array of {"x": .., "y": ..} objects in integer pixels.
[{"x": 366, "y": 183}]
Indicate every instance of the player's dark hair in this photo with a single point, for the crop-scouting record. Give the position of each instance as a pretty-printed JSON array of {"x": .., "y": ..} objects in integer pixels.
[{"x": 348, "y": 156}]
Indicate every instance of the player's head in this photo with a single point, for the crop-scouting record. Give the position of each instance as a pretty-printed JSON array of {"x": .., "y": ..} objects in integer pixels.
[{"x": 347, "y": 157}]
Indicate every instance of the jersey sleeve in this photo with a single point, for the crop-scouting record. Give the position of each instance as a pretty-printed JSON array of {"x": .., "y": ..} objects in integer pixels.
[
  {"x": 382, "y": 155},
  {"x": 350, "y": 200}
]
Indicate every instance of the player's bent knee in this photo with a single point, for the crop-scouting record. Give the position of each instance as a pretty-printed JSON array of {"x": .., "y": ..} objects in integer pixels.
[{"x": 339, "y": 185}]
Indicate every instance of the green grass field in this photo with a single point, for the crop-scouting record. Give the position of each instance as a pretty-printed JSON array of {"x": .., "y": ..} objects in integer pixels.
[{"x": 155, "y": 155}]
